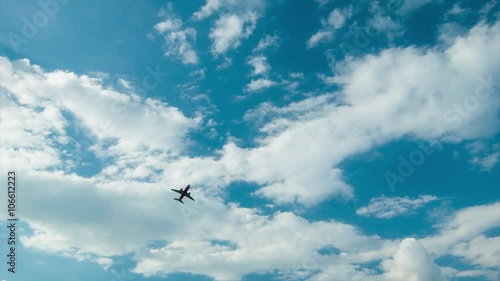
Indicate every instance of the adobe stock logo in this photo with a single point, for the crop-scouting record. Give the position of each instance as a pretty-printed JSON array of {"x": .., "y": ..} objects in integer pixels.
[
  {"x": 32, "y": 25},
  {"x": 407, "y": 166},
  {"x": 485, "y": 92}
]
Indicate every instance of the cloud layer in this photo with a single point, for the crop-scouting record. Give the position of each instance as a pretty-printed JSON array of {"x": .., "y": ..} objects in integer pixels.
[{"x": 446, "y": 93}]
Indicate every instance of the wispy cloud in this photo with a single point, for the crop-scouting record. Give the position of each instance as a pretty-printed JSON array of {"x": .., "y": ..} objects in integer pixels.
[
  {"x": 236, "y": 22},
  {"x": 260, "y": 84},
  {"x": 456, "y": 10},
  {"x": 178, "y": 40},
  {"x": 484, "y": 155},
  {"x": 322, "y": 3},
  {"x": 199, "y": 73},
  {"x": 406, "y": 7},
  {"x": 210, "y": 7},
  {"x": 260, "y": 65},
  {"x": 481, "y": 250},
  {"x": 390, "y": 207},
  {"x": 125, "y": 84},
  {"x": 335, "y": 21},
  {"x": 229, "y": 30},
  {"x": 145, "y": 146},
  {"x": 266, "y": 42},
  {"x": 297, "y": 75}
]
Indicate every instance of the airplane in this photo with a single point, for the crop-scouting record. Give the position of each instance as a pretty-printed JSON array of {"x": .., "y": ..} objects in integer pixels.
[{"x": 183, "y": 193}]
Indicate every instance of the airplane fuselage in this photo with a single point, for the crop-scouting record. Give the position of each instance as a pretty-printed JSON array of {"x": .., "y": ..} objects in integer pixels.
[{"x": 183, "y": 193}]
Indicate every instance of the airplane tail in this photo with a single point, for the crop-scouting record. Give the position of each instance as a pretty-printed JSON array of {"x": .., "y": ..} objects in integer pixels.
[{"x": 179, "y": 200}]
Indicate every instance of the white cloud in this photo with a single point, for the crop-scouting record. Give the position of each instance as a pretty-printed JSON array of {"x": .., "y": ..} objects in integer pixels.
[
  {"x": 213, "y": 6},
  {"x": 178, "y": 40},
  {"x": 336, "y": 20},
  {"x": 257, "y": 244},
  {"x": 476, "y": 147},
  {"x": 297, "y": 75},
  {"x": 329, "y": 80},
  {"x": 229, "y": 30},
  {"x": 491, "y": 275},
  {"x": 28, "y": 143},
  {"x": 484, "y": 155},
  {"x": 266, "y": 42},
  {"x": 304, "y": 109},
  {"x": 322, "y": 3},
  {"x": 386, "y": 25},
  {"x": 237, "y": 21},
  {"x": 105, "y": 262},
  {"x": 260, "y": 65},
  {"x": 114, "y": 123},
  {"x": 345, "y": 272},
  {"x": 488, "y": 162},
  {"x": 338, "y": 17},
  {"x": 411, "y": 262},
  {"x": 420, "y": 88},
  {"x": 456, "y": 10},
  {"x": 125, "y": 84},
  {"x": 321, "y": 35},
  {"x": 291, "y": 86},
  {"x": 488, "y": 7},
  {"x": 464, "y": 225},
  {"x": 390, "y": 207},
  {"x": 449, "y": 31},
  {"x": 208, "y": 9},
  {"x": 293, "y": 152},
  {"x": 482, "y": 251},
  {"x": 168, "y": 24},
  {"x": 199, "y": 73},
  {"x": 254, "y": 242},
  {"x": 407, "y": 6},
  {"x": 364, "y": 79},
  {"x": 260, "y": 84},
  {"x": 254, "y": 236},
  {"x": 225, "y": 64}
]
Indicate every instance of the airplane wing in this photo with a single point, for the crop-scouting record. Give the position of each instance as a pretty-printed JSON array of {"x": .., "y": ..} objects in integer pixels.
[
  {"x": 189, "y": 196},
  {"x": 176, "y": 190}
]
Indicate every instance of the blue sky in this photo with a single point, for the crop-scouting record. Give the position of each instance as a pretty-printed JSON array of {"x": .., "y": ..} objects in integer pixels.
[{"x": 323, "y": 140}]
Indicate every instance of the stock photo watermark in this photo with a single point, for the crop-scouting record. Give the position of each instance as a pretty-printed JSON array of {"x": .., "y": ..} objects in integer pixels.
[
  {"x": 455, "y": 116},
  {"x": 31, "y": 26}
]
